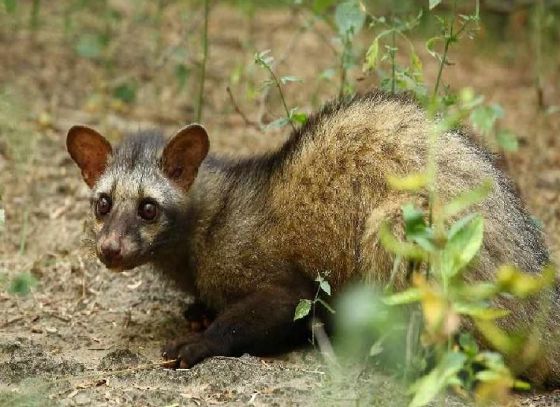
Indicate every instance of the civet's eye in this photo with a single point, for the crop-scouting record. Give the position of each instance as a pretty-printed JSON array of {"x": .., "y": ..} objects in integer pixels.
[
  {"x": 148, "y": 209},
  {"x": 103, "y": 205}
]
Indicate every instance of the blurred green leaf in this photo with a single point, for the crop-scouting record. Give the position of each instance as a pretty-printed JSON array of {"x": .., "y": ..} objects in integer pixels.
[
  {"x": 496, "y": 337},
  {"x": 371, "y": 56},
  {"x": 277, "y": 124},
  {"x": 290, "y": 78},
  {"x": 125, "y": 92},
  {"x": 507, "y": 140},
  {"x": 464, "y": 241},
  {"x": 416, "y": 63},
  {"x": 297, "y": 117},
  {"x": 2, "y": 217},
  {"x": 430, "y": 385},
  {"x": 320, "y": 6},
  {"x": 404, "y": 249},
  {"x": 90, "y": 46},
  {"x": 404, "y": 297},
  {"x": 480, "y": 311},
  {"x": 264, "y": 58},
  {"x": 10, "y": 6},
  {"x": 512, "y": 280},
  {"x": 433, "y": 3},
  {"x": 182, "y": 75},
  {"x": 22, "y": 284},
  {"x": 302, "y": 309},
  {"x": 484, "y": 117},
  {"x": 468, "y": 344},
  {"x": 349, "y": 17},
  {"x": 411, "y": 182},
  {"x": 328, "y": 73},
  {"x": 416, "y": 229}
]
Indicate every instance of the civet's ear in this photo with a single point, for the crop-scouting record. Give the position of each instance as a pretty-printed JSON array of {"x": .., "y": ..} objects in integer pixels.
[
  {"x": 90, "y": 150},
  {"x": 184, "y": 153}
]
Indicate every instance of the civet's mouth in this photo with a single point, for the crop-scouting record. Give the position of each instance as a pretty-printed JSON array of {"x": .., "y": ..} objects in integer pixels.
[{"x": 118, "y": 265}]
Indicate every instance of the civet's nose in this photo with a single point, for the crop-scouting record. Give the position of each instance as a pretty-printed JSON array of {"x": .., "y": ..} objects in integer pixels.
[{"x": 110, "y": 250}]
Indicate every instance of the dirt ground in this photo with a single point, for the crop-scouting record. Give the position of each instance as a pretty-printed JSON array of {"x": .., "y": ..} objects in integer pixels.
[{"x": 86, "y": 336}]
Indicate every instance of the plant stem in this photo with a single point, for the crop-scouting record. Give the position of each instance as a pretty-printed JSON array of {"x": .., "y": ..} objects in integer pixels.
[
  {"x": 23, "y": 236},
  {"x": 538, "y": 28},
  {"x": 343, "y": 73},
  {"x": 393, "y": 64},
  {"x": 34, "y": 20},
  {"x": 277, "y": 83},
  {"x": 204, "y": 59},
  {"x": 448, "y": 39}
]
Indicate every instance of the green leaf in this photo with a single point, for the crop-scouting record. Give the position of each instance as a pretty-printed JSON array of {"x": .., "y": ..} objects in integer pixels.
[
  {"x": 371, "y": 56},
  {"x": 404, "y": 297},
  {"x": 264, "y": 59},
  {"x": 468, "y": 344},
  {"x": 325, "y": 286},
  {"x": 320, "y": 6},
  {"x": 414, "y": 220},
  {"x": 182, "y": 74},
  {"x": 349, "y": 17},
  {"x": 433, "y": 3},
  {"x": 411, "y": 182},
  {"x": 467, "y": 199},
  {"x": 290, "y": 78},
  {"x": 10, "y": 6},
  {"x": 484, "y": 117},
  {"x": 89, "y": 46},
  {"x": 22, "y": 283},
  {"x": 302, "y": 309},
  {"x": 297, "y": 117},
  {"x": 125, "y": 92},
  {"x": 328, "y": 74},
  {"x": 507, "y": 140},
  {"x": 464, "y": 241},
  {"x": 521, "y": 385},
  {"x": 2, "y": 217},
  {"x": 430, "y": 385},
  {"x": 480, "y": 311},
  {"x": 376, "y": 348},
  {"x": 416, "y": 65},
  {"x": 404, "y": 249},
  {"x": 430, "y": 47},
  {"x": 488, "y": 375},
  {"x": 416, "y": 229},
  {"x": 277, "y": 124},
  {"x": 512, "y": 280}
]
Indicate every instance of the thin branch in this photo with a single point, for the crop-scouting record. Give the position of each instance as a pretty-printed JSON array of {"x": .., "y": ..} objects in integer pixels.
[{"x": 247, "y": 121}]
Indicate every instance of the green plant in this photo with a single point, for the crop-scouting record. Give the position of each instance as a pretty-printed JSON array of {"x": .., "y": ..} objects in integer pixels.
[
  {"x": 439, "y": 245},
  {"x": 305, "y": 306},
  {"x": 292, "y": 116}
]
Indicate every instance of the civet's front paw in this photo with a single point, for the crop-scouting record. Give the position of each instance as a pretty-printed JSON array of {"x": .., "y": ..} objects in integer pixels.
[{"x": 186, "y": 352}]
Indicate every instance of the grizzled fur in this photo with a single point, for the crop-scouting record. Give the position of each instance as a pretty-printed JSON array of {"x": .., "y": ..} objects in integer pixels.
[{"x": 248, "y": 237}]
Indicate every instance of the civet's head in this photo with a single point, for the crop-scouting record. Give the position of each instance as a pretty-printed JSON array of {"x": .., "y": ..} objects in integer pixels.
[{"x": 138, "y": 189}]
